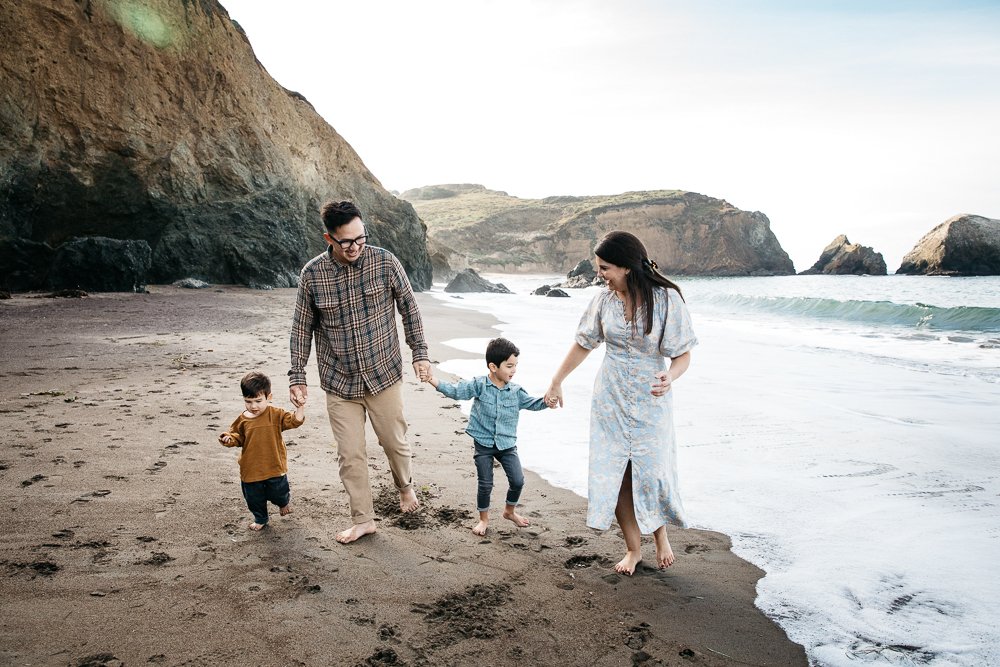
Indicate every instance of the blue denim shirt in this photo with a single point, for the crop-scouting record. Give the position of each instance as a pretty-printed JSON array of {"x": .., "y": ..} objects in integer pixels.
[{"x": 493, "y": 420}]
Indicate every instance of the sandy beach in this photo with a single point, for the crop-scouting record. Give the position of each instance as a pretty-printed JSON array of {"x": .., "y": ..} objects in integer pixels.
[{"x": 124, "y": 530}]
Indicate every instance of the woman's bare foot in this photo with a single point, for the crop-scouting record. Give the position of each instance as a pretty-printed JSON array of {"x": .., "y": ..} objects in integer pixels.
[
  {"x": 518, "y": 520},
  {"x": 627, "y": 565},
  {"x": 664, "y": 554},
  {"x": 286, "y": 510},
  {"x": 356, "y": 531},
  {"x": 480, "y": 528},
  {"x": 253, "y": 525},
  {"x": 408, "y": 501}
]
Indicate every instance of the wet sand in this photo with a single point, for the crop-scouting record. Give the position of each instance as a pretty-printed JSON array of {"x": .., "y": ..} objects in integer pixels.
[{"x": 124, "y": 530}]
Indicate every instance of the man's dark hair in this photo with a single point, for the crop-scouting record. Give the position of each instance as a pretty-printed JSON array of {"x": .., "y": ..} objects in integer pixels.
[
  {"x": 499, "y": 350},
  {"x": 336, "y": 214},
  {"x": 254, "y": 384}
]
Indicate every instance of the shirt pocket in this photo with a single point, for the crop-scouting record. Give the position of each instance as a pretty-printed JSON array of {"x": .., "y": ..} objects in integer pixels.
[{"x": 374, "y": 298}]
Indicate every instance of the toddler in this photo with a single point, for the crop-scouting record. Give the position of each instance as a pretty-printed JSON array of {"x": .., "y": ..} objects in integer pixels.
[{"x": 263, "y": 460}]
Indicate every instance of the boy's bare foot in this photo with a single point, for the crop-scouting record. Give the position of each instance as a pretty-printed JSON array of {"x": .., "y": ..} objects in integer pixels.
[
  {"x": 627, "y": 565},
  {"x": 518, "y": 520},
  {"x": 480, "y": 528},
  {"x": 356, "y": 531},
  {"x": 256, "y": 526},
  {"x": 664, "y": 554},
  {"x": 286, "y": 510},
  {"x": 408, "y": 501}
]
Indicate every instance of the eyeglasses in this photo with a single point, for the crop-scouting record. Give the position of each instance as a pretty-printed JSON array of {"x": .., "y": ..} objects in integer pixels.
[{"x": 347, "y": 243}]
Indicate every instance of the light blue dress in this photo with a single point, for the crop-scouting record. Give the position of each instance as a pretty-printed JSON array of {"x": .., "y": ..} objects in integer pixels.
[{"x": 626, "y": 421}]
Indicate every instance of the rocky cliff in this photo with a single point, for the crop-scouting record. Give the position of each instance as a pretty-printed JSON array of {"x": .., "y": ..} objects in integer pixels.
[
  {"x": 842, "y": 257},
  {"x": 686, "y": 233},
  {"x": 154, "y": 121},
  {"x": 965, "y": 245}
]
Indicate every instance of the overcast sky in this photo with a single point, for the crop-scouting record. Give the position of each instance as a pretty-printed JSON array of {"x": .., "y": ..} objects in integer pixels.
[{"x": 874, "y": 118}]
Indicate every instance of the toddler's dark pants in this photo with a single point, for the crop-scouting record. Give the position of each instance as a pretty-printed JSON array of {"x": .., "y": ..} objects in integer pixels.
[
  {"x": 484, "y": 467},
  {"x": 257, "y": 494}
]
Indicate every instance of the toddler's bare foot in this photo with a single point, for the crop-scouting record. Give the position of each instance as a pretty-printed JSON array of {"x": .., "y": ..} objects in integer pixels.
[
  {"x": 256, "y": 526},
  {"x": 286, "y": 510},
  {"x": 480, "y": 528},
  {"x": 356, "y": 531},
  {"x": 408, "y": 501},
  {"x": 518, "y": 520},
  {"x": 627, "y": 565},
  {"x": 664, "y": 554}
]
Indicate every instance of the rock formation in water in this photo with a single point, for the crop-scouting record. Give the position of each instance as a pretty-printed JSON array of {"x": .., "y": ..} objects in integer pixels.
[
  {"x": 686, "y": 233},
  {"x": 842, "y": 257},
  {"x": 965, "y": 245},
  {"x": 153, "y": 121},
  {"x": 470, "y": 281}
]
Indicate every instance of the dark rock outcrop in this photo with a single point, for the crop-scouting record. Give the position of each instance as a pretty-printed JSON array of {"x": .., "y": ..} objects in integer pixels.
[
  {"x": 542, "y": 291},
  {"x": 581, "y": 275},
  {"x": 158, "y": 124},
  {"x": 470, "y": 281},
  {"x": 24, "y": 264},
  {"x": 98, "y": 264},
  {"x": 685, "y": 232},
  {"x": 556, "y": 292},
  {"x": 842, "y": 257},
  {"x": 965, "y": 245}
]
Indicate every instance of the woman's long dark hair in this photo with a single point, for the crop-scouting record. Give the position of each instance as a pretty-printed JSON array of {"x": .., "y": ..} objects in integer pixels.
[{"x": 627, "y": 251}]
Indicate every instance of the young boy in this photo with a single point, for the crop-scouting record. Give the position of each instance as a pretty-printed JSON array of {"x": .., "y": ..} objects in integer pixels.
[
  {"x": 263, "y": 461},
  {"x": 493, "y": 425}
]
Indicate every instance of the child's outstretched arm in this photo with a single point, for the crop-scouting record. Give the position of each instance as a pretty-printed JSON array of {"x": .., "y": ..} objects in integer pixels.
[
  {"x": 462, "y": 390},
  {"x": 526, "y": 402}
]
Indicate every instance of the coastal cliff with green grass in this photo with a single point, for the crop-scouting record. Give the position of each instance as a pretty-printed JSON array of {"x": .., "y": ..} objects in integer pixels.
[{"x": 685, "y": 232}]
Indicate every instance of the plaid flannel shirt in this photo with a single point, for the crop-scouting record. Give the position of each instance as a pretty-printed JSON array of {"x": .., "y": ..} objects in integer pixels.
[{"x": 350, "y": 309}]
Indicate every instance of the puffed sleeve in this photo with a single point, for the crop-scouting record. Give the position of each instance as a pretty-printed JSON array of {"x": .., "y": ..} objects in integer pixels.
[
  {"x": 678, "y": 333},
  {"x": 590, "y": 332}
]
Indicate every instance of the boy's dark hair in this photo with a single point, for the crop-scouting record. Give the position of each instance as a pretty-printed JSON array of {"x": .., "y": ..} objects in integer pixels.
[
  {"x": 254, "y": 384},
  {"x": 336, "y": 214},
  {"x": 499, "y": 350}
]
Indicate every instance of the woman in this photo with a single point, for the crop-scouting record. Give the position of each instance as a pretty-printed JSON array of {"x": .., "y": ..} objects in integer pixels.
[{"x": 633, "y": 468}]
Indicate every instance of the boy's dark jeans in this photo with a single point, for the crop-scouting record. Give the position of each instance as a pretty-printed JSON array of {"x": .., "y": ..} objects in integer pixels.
[
  {"x": 257, "y": 494},
  {"x": 484, "y": 467}
]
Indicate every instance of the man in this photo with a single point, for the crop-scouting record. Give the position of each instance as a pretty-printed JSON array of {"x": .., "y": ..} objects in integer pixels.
[{"x": 347, "y": 300}]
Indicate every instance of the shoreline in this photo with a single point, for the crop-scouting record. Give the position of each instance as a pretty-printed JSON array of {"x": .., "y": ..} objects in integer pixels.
[{"x": 126, "y": 530}]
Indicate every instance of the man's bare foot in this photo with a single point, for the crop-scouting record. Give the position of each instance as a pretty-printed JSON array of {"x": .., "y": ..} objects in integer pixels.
[
  {"x": 480, "y": 528},
  {"x": 356, "y": 531},
  {"x": 518, "y": 520},
  {"x": 286, "y": 510},
  {"x": 253, "y": 525},
  {"x": 627, "y": 565},
  {"x": 664, "y": 554},
  {"x": 408, "y": 501}
]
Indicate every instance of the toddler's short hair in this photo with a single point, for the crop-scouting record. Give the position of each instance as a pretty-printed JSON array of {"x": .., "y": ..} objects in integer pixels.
[
  {"x": 255, "y": 383},
  {"x": 499, "y": 350}
]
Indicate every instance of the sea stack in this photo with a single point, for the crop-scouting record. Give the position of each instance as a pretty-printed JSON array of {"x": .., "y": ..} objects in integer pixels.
[
  {"x": 964, "y": 245},
  {"x": 842, "y": 257}
]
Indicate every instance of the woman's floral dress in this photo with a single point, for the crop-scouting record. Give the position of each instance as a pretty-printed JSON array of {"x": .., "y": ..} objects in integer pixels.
[{"x": 628, "y": 423}]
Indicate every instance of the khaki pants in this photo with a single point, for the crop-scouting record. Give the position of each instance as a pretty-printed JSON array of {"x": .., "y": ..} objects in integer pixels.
[{"x": 347, "y": 420}]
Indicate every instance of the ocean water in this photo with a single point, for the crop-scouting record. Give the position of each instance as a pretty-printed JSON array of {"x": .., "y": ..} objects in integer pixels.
[{"x": 844, "y": 431}]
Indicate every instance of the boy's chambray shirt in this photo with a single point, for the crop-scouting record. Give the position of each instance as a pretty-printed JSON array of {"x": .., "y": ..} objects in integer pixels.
[
  {"x": 493, "y": 420},
  {"x": 351, "y": 310}
]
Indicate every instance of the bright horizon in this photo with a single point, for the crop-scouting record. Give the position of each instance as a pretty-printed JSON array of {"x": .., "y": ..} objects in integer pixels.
[{"x": 877, "y": 119}]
